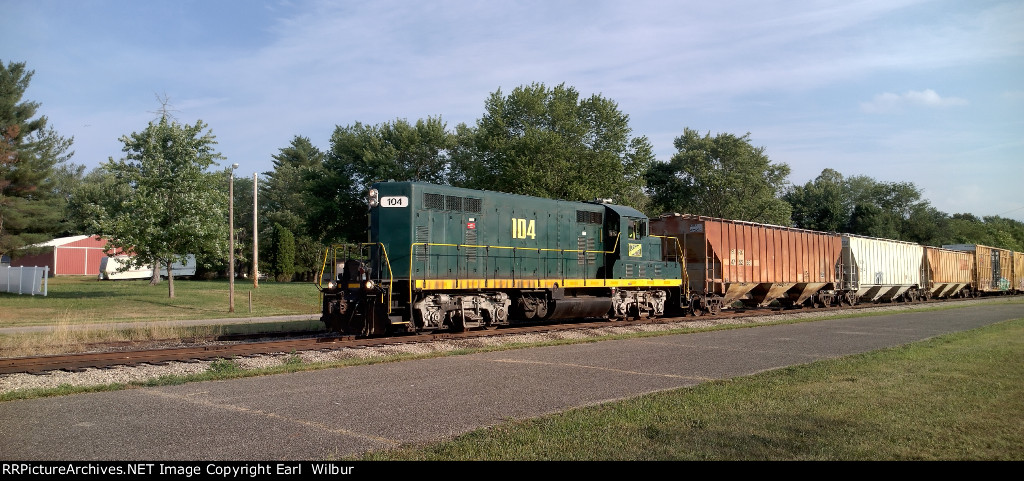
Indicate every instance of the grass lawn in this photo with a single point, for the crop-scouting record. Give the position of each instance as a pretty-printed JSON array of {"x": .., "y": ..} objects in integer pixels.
[
  {"x": 75, "y": 308},
  {"x": 85, "y": 300}
]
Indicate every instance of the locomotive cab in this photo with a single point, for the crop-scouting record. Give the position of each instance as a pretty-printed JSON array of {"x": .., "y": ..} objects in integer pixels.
[{"x": 636, "y": 264}]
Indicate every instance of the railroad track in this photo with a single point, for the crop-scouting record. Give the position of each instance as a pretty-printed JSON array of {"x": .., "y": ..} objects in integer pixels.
[{"x": 221, "y": 350}]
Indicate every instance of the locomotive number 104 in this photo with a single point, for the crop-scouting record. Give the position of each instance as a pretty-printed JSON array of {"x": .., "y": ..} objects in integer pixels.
[{"x": 522, "y": 228}]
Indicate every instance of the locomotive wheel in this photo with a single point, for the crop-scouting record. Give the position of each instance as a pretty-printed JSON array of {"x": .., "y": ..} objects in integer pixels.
[
  {"x": 458, "y": 323},
  {"x": 488, "y": 323},
  {"x": 542, "y": 309}
]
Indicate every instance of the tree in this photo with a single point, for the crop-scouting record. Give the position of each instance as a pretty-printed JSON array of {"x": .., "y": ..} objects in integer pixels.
[
  {"x": 722, "y": 176},
  {"x": 171, "y": 205},
  {"x": 96, "y": 193},
  {"x": 282, "y": 253},
  {"x": 869, "y": 219},
  {"x": 992, "y": 231},
  {"x": 30, "y": 209},
  {"x": 285, "y": 199},
  {"x": 283, "y": 192},
  {"x": 927, "y": 225},
  {"x": 864, "y": 206},
  {"x": 548, "y": 142},
  {"x": 361, "y": 155},
  {"x": 820, "y": 205}
]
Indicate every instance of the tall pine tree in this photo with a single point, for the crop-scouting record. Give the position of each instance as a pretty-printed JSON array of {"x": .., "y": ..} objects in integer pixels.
[{"x": 30, "y": 211}]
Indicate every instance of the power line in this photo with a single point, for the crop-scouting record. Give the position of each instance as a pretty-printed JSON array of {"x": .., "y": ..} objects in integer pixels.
[{"x": 1011, "y": 210}]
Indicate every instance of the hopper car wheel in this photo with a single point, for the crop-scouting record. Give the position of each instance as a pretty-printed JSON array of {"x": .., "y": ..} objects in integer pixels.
[
  {"x": 697, "y": 306},
  {"x": 846, "y": 299}
]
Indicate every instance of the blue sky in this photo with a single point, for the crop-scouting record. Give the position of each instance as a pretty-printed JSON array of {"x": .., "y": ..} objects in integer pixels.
[{"x": 930, "y": 92}]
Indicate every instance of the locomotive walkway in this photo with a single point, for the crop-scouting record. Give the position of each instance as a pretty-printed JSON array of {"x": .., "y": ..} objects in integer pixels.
[{"x": 337, "y": 413}]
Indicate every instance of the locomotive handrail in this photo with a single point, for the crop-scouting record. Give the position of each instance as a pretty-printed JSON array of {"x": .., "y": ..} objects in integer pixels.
[
  {"x": 323, "y": 265},
  {"x": 680, "y": 259},
  {"x": 387, "y": 262}
]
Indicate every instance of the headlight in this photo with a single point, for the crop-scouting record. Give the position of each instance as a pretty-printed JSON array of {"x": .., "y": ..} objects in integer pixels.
[
  {"x": 369, "y": 285},
  {"x": 331, "y": 285},
  {"x": 373, "y": 198}
]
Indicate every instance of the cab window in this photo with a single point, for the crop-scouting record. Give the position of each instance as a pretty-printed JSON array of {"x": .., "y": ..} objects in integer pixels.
[{"x": 637, "y": 229}]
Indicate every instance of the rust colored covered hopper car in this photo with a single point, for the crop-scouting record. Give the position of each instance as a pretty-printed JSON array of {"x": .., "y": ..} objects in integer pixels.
[
  {"x": 730, "y": 261},
  {"x": 949, "y": 273}
]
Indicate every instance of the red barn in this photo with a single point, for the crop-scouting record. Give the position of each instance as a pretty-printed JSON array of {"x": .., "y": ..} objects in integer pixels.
[{"x": 68, "y": 256}]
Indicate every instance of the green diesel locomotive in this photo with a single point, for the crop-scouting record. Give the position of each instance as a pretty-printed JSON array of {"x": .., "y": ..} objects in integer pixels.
[{"x": 442, "y": 257}]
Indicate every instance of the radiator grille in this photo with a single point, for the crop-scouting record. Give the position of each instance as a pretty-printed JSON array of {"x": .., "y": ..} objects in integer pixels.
[
  {"x": 433, "y": 201},
  {"x": 422, "y": 235},
  {"x": 472, "y": 205},
  {"x": 452, "y": 202},
  {"x": 471, "y": 240},
  {"x": 587, "y": 217}
]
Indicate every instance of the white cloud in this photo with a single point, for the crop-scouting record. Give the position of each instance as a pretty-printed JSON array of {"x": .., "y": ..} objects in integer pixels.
[{"x": 890, "y": 102}]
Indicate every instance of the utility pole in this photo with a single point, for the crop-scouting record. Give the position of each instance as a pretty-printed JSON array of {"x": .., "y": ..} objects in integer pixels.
[
  {"x": 231, "y": 237},
  {"x": 255, "y": 229}
]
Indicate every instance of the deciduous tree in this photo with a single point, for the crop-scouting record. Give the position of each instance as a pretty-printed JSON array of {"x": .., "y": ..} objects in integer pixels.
[
  {"x": 549, "y": 142},
  {"x": 821, "y": 204},
  {"x": 172, "y": 204},
  {"x": 721, "y": 176},
  {"x": 361, "y": 155}
]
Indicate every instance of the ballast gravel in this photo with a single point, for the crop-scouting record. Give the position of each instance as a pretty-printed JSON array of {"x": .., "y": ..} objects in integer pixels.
[{"x": 130, "y": 374}]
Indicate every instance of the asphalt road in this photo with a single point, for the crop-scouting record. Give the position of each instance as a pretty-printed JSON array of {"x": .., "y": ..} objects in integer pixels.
[{"x": 333, "y": 413}]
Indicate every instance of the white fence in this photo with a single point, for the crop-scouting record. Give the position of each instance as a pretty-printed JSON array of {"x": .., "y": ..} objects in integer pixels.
[{"x": 24, "y": 280}]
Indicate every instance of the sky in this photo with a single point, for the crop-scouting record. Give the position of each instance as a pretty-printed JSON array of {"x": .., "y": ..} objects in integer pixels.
[{"x": 929, "y": 92}]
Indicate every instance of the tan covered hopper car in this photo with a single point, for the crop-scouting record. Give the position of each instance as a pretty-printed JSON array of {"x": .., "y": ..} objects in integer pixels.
[
  {"x": 1018, "y": 272},
  {"x": 729, "y": 261},
  {"x": 993, "y": 268},
  {"x": 948, "y": 273}
]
